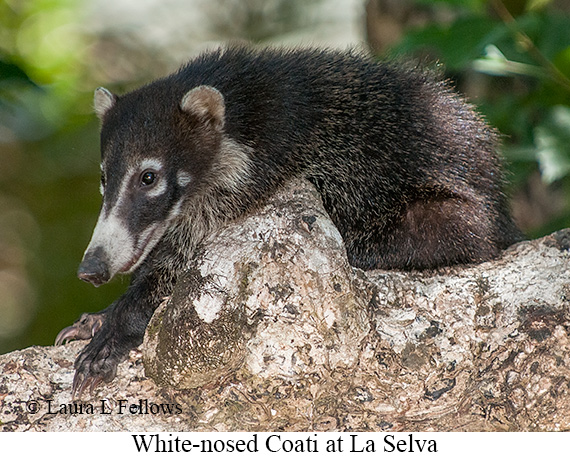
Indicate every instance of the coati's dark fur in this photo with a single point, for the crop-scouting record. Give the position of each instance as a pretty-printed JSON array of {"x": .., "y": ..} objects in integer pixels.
[{"x": 406, "y": 169}]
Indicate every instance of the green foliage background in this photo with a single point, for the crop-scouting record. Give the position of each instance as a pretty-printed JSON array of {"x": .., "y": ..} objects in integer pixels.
[
  {"x": 517, "y": 51},
  {"x": 520, "y": 53}
]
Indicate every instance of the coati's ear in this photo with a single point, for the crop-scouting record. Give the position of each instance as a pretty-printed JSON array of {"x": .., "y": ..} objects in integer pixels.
[
  {"x": 103, "y": 101},
  {"x": 207, "y": 104}
]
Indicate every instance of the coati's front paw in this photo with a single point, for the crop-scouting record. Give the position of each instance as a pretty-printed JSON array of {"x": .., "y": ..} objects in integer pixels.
[
  {"x": 83, "y": 329},
  {"x": 96, "y": 364}
]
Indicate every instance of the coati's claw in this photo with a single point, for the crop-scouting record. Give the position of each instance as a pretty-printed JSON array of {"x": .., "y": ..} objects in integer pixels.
[
  {"x": 81, "y": 383},
  {"x": 96, "y": 364},
  {"x": 83, "y": 329}
]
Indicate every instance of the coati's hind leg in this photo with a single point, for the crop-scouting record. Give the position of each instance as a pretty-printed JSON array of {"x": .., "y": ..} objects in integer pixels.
[{"x": 428, "y": 232}]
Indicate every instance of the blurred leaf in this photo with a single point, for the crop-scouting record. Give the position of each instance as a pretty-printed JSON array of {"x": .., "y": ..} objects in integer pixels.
[
  {"x": 456, "y": 44},
  {"x": 562, "y": 61},
  {"x": 552, "y": 139},
  {"x": 550, "y": 32},
  {"x": 472, "y": 5},
  {"x": 11, "y": 71},
  {"x": 466, "y": 39},
  {"x": 495, "y": 63},
  {"x": 534, "y": 5}
]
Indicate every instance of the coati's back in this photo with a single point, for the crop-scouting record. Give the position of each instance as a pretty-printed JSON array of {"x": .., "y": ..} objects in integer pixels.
[{"x": 404, "y": 166}]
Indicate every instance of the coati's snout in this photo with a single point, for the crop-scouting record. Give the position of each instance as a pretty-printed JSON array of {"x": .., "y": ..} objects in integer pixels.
[
  {"x": 94, "y": 268},
  {"x": 126, "y": 232}
]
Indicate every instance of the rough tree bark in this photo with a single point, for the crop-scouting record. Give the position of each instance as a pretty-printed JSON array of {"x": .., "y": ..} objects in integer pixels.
[{"x": 271, "y": 329}]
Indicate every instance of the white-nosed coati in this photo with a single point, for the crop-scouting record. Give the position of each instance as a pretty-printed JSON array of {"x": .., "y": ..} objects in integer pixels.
[{"x": 406, "y": 169}]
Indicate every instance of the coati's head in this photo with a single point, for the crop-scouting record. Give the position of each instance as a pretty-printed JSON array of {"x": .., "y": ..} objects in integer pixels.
[{"x": 155, "y": 156}]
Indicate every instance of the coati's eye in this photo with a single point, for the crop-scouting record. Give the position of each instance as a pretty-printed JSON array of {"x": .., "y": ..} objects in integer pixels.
[{"x": 148, "y": 178}]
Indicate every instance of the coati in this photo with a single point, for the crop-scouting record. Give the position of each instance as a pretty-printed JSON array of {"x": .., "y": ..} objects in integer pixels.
[{"x": 406, "y": 170}]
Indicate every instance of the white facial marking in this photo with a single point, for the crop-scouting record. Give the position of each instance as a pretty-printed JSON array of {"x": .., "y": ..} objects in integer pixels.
[
  {"x": 101, "y": 189},
  {"x": 158, "y": 189},
  {"x": 112, "y": 235},
  {"x": 175, "y": 211},
  {"x": 156, "y": 166},
  {"x": 124, "y": 251},
  {"x": 152, "y": 235},
  {"x": 151, "y": 164},
  {"x": 183, "y": 178}
]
